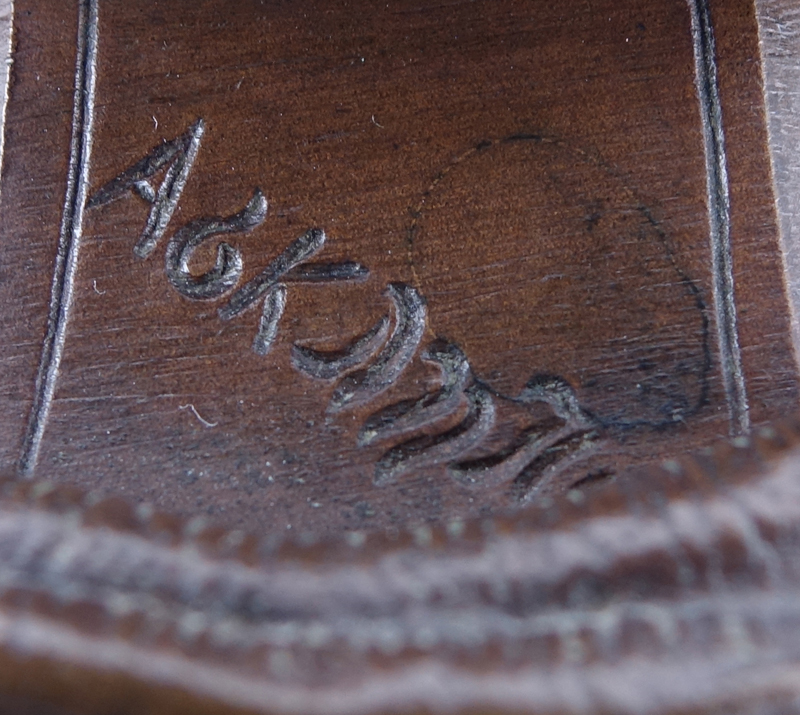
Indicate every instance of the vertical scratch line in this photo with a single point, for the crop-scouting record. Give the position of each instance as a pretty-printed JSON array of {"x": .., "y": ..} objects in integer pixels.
[
  {"x": 69, "y": 239},
  {"x": 719, "y": 215}
]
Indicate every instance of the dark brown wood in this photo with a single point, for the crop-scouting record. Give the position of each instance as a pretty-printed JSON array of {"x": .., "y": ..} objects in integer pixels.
[
  {"x": 535, "y": 175},
  {"x": 484, "y": 265},
  {"x": 673, "y": 590}
]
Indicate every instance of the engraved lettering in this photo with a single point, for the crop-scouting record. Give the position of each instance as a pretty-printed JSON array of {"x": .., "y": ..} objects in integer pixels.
[
  {"x": 327, "y": 272},
  {"x": 228, "y": 268},
  {"x": 300, "y": 250},
  {"x": 274, "y": 305},
  {"x": 180, "y": 155},
  {"x": 570, "y": 436},
  {"x": 331, "y": 365},
  {"x": 362, "y": 386},
  {"x": 372, "y": 362},
  {"x": 428, "y": 451},
  {"x": 506, "y": 465},
  {"x": 558, "y": 394},
  {"x": 412, "y": 415},
  {"x": 553, "y": 461},
  {"x": 543, "y": 451}
]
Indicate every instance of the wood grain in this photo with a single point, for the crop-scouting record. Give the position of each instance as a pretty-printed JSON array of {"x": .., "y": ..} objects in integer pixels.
[
  {"x": 409, "y": 300},
  {"x": 780, "y": 47},
  {"x": 673, "y": 591},
  {"x": 447, "y": 149}
]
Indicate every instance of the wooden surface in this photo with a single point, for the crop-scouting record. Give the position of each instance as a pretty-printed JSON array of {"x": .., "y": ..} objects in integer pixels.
[
  {"x": 672, "y": 590},
  {"x": 780, "y": 47},
  {"x": 478, "y": 256},
  {"x": 540, "y": 185}
]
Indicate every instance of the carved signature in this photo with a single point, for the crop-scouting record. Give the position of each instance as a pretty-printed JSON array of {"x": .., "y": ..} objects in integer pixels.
[
  {"x": 369, "y": 364},
  {"x": 178, "y": 157}
]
